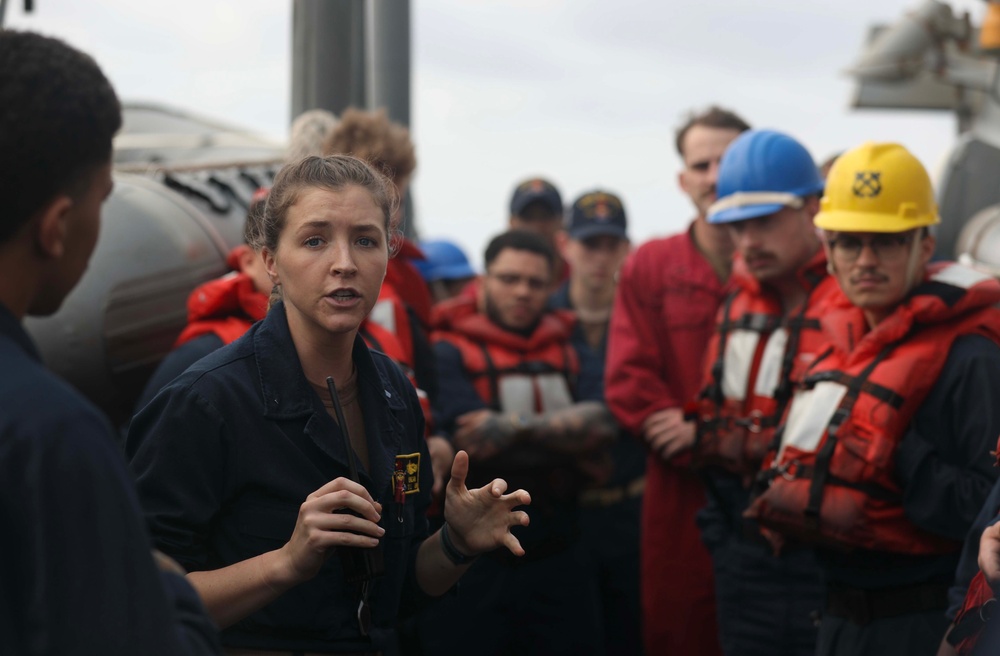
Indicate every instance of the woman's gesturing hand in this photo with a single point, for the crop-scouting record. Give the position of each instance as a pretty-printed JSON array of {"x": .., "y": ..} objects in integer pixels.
[
  {"x": 480, "y": 519},
  {"x": 341, "y": 513}
]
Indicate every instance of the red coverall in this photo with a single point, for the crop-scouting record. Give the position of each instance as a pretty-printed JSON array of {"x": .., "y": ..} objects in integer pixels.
[{"x": 663, "y": 318}]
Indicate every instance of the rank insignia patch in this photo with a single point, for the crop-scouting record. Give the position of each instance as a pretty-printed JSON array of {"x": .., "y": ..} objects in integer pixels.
[{"x": 407, "y": 473}]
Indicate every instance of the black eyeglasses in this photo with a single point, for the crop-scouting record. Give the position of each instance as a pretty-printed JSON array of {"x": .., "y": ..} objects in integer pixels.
[
  {"x": 512, "y": 279},
  {"x": 885, "y": 246}
]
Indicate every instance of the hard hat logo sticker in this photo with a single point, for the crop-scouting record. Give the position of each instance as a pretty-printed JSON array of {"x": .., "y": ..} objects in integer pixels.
[{"x": 867, "y": 184}]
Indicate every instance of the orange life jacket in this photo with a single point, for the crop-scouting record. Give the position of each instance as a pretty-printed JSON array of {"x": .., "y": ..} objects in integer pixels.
[
  {"x": 390, "y": 313},
  {"x": 831, "y": 480},
  {"x": 752, "y": 359},
  {"x": 512, "y": 373},
  {"x": 226, "y": 306}
]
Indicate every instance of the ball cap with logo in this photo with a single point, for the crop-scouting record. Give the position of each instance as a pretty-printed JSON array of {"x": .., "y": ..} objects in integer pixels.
[
  {"x": 535, "y": 189},
  {"x": 596, "y": 214}
]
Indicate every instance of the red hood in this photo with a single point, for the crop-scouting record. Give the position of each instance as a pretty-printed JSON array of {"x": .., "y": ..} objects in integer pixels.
[
  {"x": 460, "y": 315},
  {"x": 232, "y": 294}
]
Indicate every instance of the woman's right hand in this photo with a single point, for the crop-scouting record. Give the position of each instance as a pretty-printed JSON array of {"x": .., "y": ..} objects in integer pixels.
[{"x": 339, "y": 514}]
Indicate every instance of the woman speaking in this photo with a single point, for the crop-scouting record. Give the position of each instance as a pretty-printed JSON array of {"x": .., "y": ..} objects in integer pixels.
[{"x": 244, "y": 463}]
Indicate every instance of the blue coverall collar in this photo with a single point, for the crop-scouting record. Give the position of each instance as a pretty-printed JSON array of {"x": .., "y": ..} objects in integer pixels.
[
  {"x": 288, "y": 395},
  {"x": 10, "y": 327}
]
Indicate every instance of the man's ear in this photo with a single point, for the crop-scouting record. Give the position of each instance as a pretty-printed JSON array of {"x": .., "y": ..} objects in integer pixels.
[
  {"x": 824, "y": 238},
  {"x": 50, "y": 227},
  {"x": 682, "y": 181},
  {"x": 927, "y": 245}
]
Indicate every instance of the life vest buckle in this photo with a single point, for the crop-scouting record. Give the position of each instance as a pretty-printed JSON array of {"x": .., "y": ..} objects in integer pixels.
[
  {"x": 985, "y": 617},
  {"x": 754, "y": 422},
  {"x": 789, "y": 470}
]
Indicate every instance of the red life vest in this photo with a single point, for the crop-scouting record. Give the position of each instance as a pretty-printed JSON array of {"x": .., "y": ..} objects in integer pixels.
[
  {"x": 831, "y": 480},
  {"x": 390, "y": 313},
  {"x": 226, "y": 306},
  {"x": 404, "y": 278},
  {"x": 513, "y": 373},
  {"x": 751, "y": 361}
]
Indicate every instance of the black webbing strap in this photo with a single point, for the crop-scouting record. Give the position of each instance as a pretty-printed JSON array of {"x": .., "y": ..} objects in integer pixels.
[
  {"x": 493, "y": 377},
  {"x": 571, "y": 378},
  {"x": 714, "y": 391},
  {"x": 972, "y": 623},
  {"x": 531, "y": 368},
  {"x": 371, "y": 339},
  {"x": 794, "y": 326},
  {"x": 825, "y": 454},
  {"x": 754, "y": 322},
  {"x": 880, "y": 392}
]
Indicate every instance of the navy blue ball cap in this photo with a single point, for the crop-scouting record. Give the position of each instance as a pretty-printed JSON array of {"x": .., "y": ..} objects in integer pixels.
[
  {"x": 535, "y": 189},
  {"x": 595, "y": 214}
]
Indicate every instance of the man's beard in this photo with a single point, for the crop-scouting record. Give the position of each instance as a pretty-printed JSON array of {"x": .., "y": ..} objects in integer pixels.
[{"x": 493, "y": 314}]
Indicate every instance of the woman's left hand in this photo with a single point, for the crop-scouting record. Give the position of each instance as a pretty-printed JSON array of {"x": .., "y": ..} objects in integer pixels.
[{"x": 480, "y": 519}]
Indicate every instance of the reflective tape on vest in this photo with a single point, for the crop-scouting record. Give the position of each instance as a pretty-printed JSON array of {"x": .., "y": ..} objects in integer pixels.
[
  {"x": 384, "y": 314},
  {"x": 769, "y": 371},
  {"x": 960, "y": 276},
  {"x": 741, "y": 345},
  {"x": 809, "y": 416},
  {"x": 530, "y": 394}
]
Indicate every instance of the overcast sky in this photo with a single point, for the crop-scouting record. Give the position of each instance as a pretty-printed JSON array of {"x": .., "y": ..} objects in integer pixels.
[{"x": 587, "y": 94}]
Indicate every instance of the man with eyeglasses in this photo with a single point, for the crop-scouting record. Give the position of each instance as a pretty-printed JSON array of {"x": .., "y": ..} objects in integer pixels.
[
  {"x": 768, "y": 330},
  {"x": 883, "y": 458},
  {"x": 506, "y": 372},
  {"x": 668, "y": 293}
]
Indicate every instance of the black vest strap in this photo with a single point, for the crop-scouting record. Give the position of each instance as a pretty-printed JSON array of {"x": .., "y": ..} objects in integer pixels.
[
  {"x": 530, "y": 367},
  {"x": 880, "y": 392},
  {"x": 714, "y": 391},
  {"x": 493, "y": 376}
]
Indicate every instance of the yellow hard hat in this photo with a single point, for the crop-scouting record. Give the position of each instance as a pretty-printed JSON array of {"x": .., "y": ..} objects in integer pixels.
[{"x": 877, "y": 187}]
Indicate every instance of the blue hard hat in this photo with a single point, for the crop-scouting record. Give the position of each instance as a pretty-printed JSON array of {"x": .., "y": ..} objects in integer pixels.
[
  {"x": 445, "y": 260},
  {"x": 761, "y": 172}
]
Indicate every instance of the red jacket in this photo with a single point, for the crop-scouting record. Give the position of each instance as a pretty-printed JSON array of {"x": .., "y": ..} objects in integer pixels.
[
  {"x": 750, "y": 364},
  {"x": 832, "y": 479}
]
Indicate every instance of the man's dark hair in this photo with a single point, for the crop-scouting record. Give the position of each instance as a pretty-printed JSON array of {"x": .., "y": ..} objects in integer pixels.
[
  {"x": 58, "y": 114},
  {"x": 713, "y": 117},
  {"x": 519, "y": 240}
]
